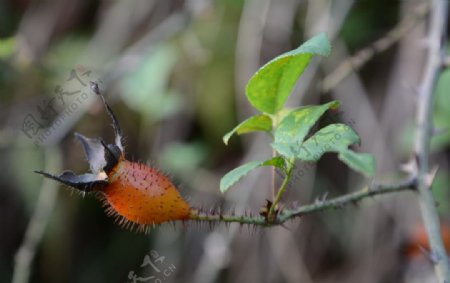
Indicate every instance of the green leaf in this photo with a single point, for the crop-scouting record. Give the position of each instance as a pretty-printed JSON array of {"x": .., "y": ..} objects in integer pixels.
[
  {"x": 332, "y": 138},
  {"x": 237, "y": 173},
  {"x": 260, "y": 122},
  {"x": 277, "y": 161},
  {"x": 271, "y": 85},
  {"x": 337, "y": 138},
  {"x": 361, "y": 162},
  {"x": 295, "y": 126}
]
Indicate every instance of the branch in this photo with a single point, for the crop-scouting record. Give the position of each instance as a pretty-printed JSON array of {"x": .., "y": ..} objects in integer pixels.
[
  {"x": 288, "y": 214},
  {"x": 39, "y": 219},
  {"x": 273, "y": 208},
  {"x": 437, "y": 29},
  {"x": 339, "y": 202},
  {"x": 355, "y": 62}
]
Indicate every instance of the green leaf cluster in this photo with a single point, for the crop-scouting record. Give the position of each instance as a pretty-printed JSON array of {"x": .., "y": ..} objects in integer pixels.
[{"x": 268, "y": 91}]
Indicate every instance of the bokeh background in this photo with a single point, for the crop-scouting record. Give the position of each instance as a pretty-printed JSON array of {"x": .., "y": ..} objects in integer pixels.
[{"x": 175, "y": 74}]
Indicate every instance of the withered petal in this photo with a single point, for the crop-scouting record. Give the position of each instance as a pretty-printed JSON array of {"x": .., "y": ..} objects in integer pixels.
[
  {"x": 95, "y": 152},
  {"x": 84, "y": 182}
]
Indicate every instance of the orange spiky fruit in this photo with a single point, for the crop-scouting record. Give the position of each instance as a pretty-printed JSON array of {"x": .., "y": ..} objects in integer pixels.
[
  {"x": 136, "y": 194},
  {"x": 143, "y": 195}
]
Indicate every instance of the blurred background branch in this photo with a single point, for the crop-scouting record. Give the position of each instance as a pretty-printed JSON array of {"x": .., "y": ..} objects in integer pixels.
[
  {"x": 39, "y": 218},
  {"x": 361, "y": 57}
]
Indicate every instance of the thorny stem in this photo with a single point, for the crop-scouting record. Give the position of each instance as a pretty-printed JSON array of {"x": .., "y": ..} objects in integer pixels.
[
  {"x": 228, "y": 218},
  {"x": 437, "y": 29},
  {"x": 282, "y": 190},
  {"x": 339, "y": 202},
  {"x": 287, "y": 214}
]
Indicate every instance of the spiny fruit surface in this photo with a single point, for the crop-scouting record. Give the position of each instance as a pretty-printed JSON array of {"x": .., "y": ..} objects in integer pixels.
[
  {"x": 136, "y": 194},
  {"x": 143, "y": 195}
]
